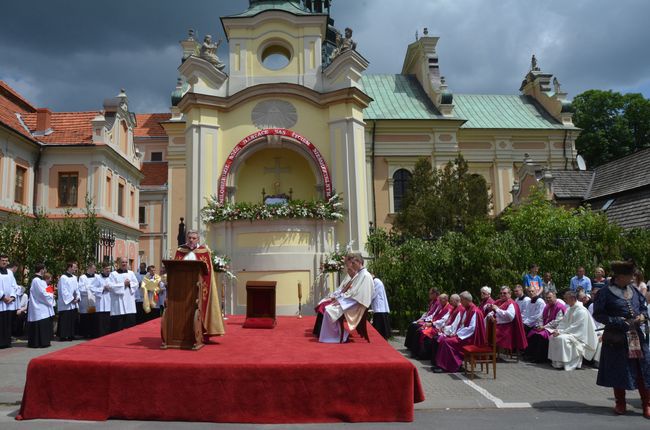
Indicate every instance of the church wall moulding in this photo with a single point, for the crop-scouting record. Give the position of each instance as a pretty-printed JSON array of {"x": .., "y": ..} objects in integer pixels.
[{"x": 282, "y": 133}]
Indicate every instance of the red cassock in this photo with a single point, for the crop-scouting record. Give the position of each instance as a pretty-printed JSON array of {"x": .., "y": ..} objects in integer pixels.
[
  {"x": 450, "y": 349},
  {"x": 511, "y": 335},
  {"x": 209, "y": 305}
]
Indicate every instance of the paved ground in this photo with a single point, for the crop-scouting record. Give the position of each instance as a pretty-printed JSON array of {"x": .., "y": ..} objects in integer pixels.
[{"x": 522, "y": 394}]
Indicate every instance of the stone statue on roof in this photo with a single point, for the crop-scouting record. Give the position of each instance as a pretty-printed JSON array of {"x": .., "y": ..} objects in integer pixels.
[
  {"x": 344, "y": 44},
  {"x": 209, "y": 52},
  {"x": 556, "y": 85},
  {"x": 533, "y": 64}
]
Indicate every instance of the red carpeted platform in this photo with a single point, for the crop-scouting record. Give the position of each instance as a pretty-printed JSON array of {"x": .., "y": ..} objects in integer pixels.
[{"x": 273, "y": 376}]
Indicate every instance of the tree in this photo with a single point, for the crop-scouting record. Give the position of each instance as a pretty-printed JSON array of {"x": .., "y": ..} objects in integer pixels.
[
  {"x": 31, "y": 239},
  {"x": 438, "y": 201},
  {"x": 613, "y": 125}
]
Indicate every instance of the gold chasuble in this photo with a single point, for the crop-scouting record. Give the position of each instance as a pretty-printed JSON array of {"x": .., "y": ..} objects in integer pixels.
[{"x": 209, "y": 306}]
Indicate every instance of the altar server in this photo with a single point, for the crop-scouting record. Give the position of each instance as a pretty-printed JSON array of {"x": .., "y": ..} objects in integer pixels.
[
  {"x": 123, "y": 285},
  {"x": 7, "y": 297},
  {"x": 87, "y": 306},
  {"x": 102, "y": 291},
  {"x": 40, "y": 311},
  {"x": 68, "y": 302},
  {"x": 380, "y": 309}
]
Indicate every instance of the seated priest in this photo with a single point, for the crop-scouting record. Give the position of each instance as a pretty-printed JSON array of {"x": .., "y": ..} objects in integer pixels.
[
  {"x": 574, "y": 338},
  {"x": 486, "y": 299},
  {"x": 210, "y": 308},
  {"x": 413, "y": 332},
  {"x": 554, "y": 311},
  {"x": 510, "y": 328},
  {"x": 532, "y": 315},
  {"x": 351, "y": 305},
  {"x": 469, "y": 330},
  {"x": 320, "y": 307},
  {"x": 431, "y": 330}
]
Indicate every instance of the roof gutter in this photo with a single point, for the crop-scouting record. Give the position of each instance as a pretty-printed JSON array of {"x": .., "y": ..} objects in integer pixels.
[
  {"x": 372, "y": 175},
  {"x": 37, "y": 176}
]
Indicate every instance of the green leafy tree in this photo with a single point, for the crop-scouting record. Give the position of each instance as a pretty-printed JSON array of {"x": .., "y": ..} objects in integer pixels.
[
  {"x": 613, "y": 125},
  {"x": 438, "y": 201},
  {"x": 30, "y": 239},
  {"x": 497, "y": 252}
]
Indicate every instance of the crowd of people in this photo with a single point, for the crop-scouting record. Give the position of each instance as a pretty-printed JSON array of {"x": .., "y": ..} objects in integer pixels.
[
  {"x": 87, "y": 306},
  {"x": 600, "y": 320}
]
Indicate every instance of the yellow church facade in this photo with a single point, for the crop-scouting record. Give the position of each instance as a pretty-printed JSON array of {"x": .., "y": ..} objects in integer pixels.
[{"x": 296, "y": 118}]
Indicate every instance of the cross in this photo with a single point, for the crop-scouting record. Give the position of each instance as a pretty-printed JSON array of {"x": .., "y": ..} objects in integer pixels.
[{"x": 277, "y": 169}]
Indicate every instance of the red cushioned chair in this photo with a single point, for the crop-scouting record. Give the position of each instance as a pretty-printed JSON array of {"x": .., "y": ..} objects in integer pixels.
[
  {"x": 484, "y": 355},
  {"x": 362, "y": 328}
]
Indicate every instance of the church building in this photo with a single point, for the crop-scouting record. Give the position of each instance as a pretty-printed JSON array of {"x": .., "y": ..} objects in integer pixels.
[
  {"x": 279, "y": 156},
  {"x": 295, "y": 117}
]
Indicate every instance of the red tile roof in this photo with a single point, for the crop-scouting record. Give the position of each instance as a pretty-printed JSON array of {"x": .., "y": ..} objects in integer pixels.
[
  {"x": 12, "y": 103},
  {"x": 68, "y": 127},
  {"x": 18, "y": 99},
  {"x": 155, "y": 173},
  {"x": 149, "y": 124}
]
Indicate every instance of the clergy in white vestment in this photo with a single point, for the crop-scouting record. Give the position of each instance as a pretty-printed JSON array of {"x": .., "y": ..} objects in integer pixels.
[
  {"x": 520, "y": 298},
  {"x": 575, "y": 337},
  {"x": 101, "y": 289},
  {"x": 68, "y": 302},
  {"x": 87, "y": 306},
  {"x": 7, "y": 298},
  {"x": 380, "y": 309},
  {"x": 123, "y": 285},
  {"x": 18, "y": 293},
  {"x": 355, "y": 298},
  {"x": 532, "y": 315},
  {"x": 40, "y": 311}
]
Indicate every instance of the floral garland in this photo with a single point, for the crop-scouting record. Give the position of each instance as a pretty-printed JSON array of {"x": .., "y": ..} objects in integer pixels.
[{"x": 331, "y": 209}]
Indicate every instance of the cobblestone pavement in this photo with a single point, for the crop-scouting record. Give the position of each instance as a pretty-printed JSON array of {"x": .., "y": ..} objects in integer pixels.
[{"x": 523, "y": 393}]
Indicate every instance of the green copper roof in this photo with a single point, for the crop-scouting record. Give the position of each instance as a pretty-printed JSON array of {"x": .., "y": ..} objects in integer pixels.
[
  {"x": 257, "y": 7},
  {"x": 402, "y": 97},
  {"x": 503, "y": 111},
  {"x": 397, "y": 97}
]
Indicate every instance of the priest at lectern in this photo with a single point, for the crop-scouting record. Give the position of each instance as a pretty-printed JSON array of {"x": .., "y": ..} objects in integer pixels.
[{"x": 211, "y": 317}]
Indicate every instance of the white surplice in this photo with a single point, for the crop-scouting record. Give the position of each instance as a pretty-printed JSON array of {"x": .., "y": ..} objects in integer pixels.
[
  {"x": 86, "y": 292},
  {"x": 533, "y": 315},
  {"x": 7, "y": 289},
  {"x": 68, "y": 291},
  {"x": 351, "y": 305},
  {"x": 102, "y": 292},
  {"x": 577, "y": 339},
  {"x": 41, "y": 303},
  {"x": 122, "y": 297}
]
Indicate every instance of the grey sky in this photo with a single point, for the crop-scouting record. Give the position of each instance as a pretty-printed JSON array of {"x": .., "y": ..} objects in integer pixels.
[{"x": 69, "y": 55}]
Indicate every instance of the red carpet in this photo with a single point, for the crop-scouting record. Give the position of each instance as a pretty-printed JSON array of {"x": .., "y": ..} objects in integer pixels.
[{"x": 273, "y": 376}]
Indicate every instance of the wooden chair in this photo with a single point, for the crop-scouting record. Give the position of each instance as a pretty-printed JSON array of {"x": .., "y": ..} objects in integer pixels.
[
  {"x": 362, "y": 327},
  {"x": 484, "y": 355}
]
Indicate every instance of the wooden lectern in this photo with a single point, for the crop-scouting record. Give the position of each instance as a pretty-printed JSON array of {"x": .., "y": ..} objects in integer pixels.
[
  {"x": 260, "y": 304},
  {"x": 181, "y": 324}
]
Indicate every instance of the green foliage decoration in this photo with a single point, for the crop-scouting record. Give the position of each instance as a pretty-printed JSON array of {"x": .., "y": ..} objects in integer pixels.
[{"x": 29, "y": 239}]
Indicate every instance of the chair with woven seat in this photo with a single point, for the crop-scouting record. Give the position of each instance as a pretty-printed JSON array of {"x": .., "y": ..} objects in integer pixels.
[
  {"x": 362, "y": 327},
  {"x": 483, "y": 355}
]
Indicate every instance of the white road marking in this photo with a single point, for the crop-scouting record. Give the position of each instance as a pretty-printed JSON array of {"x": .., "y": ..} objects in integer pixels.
[{"x": 497, "y": 401}]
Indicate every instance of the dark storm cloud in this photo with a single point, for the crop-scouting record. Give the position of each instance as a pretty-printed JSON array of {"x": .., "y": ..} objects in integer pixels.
[{"x": 70, "y": 55}]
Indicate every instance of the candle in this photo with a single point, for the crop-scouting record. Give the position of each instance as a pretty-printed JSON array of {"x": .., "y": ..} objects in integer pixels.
[{"x": 299, "y": 290}]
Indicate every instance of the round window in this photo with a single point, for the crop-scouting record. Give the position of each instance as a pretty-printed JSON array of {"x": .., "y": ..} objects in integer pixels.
[{"x": 276, "y": 57}]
